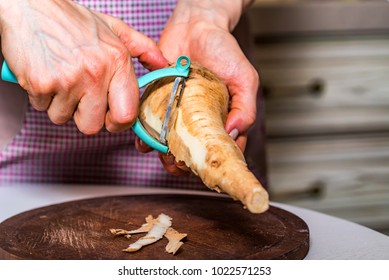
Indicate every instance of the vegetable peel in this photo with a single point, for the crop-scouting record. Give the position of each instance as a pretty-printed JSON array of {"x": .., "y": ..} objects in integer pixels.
[{"x": 156, "y": 229}]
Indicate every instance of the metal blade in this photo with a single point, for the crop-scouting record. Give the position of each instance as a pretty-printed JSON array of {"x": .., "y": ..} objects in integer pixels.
[{"x": 177, "y": 82}]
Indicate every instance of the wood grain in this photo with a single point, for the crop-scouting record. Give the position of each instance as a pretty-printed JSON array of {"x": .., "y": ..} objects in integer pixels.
[
  {"x": 217, "y": 228},
  {"x": 325, "y": 86},
  {"x": 344, "y": 176},
  {"x": 280, "y": 17},
  {"x": 327, "y": 108}
]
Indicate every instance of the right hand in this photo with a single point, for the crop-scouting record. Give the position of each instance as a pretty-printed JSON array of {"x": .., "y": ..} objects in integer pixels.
[{"x": 75, "y": 62}]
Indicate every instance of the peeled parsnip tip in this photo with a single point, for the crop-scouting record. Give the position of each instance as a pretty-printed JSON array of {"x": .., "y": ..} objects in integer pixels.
[{"x": 258, "y": 202}]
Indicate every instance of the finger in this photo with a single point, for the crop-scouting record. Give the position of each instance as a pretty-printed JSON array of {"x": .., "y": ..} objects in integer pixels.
[
  {"x": 40, "y": 103},
  {"x": 241, "y": 141},
  {"x": 181, "y": 165},
  {"x": 62, "y": 108},
  {"x": 138, "y": 44},
  {"x": 141, "y": 146},
  {"x": 90, "y": 113},
  {"x": 237, "y": 122},
  {"x": 242, "y": 114},
  {"x": 168, "y": 163},
  {"x": 123, "y": 98},
  {"x": 238, "y": 138},
  {"x": 146, "y": 50}
]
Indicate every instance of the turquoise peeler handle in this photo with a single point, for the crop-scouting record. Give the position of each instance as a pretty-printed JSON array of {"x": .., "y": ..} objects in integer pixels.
[
  {"x": 180, "y": 70},
  {"x": 6, "y": 74}
]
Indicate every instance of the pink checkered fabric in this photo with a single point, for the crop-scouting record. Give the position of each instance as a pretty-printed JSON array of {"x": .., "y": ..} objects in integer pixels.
[{"x": 45, "y": 153}]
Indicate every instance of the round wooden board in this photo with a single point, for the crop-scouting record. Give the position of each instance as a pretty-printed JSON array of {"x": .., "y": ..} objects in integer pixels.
[{"x": 217, "y": 228}]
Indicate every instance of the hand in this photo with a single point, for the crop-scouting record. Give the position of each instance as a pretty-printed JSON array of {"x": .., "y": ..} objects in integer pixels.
[
  {"x": 204, "y": 35},
  {"x": 168, "y": 160},
  {"x": 76, "y": 62}
]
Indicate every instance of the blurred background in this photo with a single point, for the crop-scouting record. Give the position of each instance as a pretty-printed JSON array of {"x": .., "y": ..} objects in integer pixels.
[{"x": 324, "y": 68}]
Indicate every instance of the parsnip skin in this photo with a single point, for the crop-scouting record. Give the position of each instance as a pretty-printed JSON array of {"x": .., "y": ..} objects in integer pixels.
[{"x": 197, "y": 135}]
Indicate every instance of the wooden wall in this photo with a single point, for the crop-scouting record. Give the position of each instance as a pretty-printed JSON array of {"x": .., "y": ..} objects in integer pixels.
[{"x": 324, "y": 68}]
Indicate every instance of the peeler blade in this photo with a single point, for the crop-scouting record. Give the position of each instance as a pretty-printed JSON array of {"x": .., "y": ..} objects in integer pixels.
[{"x": 177, "y": 82}]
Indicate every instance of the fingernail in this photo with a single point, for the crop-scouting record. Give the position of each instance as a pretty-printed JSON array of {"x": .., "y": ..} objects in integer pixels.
[{"x": 234, "y": 133}]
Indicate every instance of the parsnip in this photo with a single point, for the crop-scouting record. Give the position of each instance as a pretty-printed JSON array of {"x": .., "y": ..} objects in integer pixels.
[
  {"x": 197, "y": 136},
  {"x": 157, "y": 231}
]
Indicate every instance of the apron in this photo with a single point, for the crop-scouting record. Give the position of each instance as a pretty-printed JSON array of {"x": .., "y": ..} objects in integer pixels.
[{"x": 46, "y": 153}]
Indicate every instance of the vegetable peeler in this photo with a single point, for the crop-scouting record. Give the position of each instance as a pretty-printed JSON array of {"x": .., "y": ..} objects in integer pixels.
[{"x": 180, "y": 71}]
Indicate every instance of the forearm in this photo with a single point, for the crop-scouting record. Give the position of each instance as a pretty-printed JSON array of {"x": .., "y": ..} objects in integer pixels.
[{"x": 224, "y": 14}]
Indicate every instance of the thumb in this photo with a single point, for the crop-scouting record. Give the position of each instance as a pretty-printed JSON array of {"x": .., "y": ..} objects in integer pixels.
[
  {"x": 123, "y": 98},
  {"x": 243, "y": 108},
  {"x": 138, "y": 44}
]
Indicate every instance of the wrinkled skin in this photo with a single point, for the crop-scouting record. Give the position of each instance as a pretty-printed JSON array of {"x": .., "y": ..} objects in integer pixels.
[{"x": 75, "y": 62}]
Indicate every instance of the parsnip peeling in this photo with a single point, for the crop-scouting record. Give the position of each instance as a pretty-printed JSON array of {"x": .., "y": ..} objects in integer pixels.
[
  {"x": 150, "y": 221},
  {"x": 155, "y": 229},
  {"x": 174, "y": 238},
  {"x": 197, "y": 135},
  {"x": 158, "y": 230}
]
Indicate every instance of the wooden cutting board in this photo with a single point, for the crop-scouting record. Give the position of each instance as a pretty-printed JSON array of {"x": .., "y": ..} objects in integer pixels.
[{"x": 217, "y": 228}]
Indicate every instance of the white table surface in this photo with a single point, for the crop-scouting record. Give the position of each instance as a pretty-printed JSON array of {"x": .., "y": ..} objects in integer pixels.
[{"x": 331, "y": 238}]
